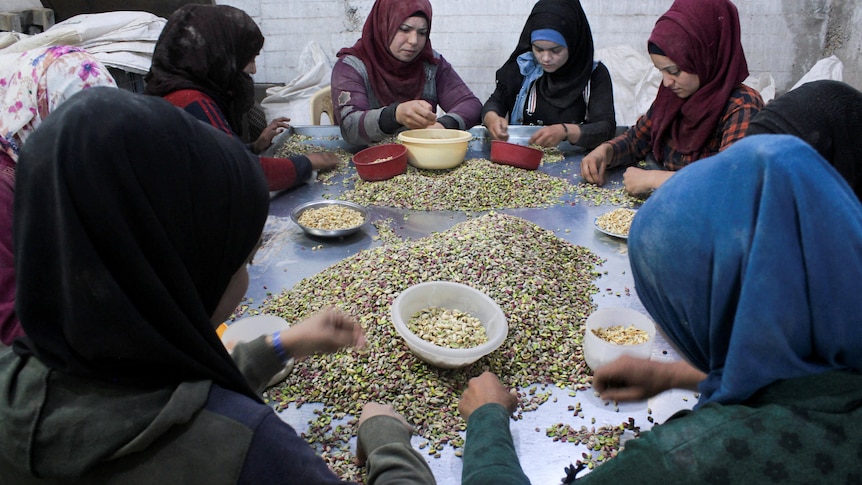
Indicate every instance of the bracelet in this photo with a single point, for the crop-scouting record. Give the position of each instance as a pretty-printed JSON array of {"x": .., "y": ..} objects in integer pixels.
[
  {"x": 279, "y": 350},
  {"x": 566, "y": 130}
]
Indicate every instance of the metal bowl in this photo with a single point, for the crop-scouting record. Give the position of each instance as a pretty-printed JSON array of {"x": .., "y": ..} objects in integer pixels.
[{"x": 297, "y": 212}]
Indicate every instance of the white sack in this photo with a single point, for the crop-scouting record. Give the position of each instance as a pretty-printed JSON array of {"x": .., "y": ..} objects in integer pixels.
[
  {"x": 828, "y": 68},
  {"x": 764, "y": 84},
  {"x": 292, "y": 99},
  {"x": 635, "y": 81}
]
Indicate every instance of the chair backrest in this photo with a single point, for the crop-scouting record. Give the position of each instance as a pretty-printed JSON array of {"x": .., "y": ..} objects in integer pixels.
[{"x": 321, "y": 102}]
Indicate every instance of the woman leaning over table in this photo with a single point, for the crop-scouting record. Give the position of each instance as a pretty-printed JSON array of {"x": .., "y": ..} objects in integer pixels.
[
  {"x": 128, "y": 259},
  {"x": 759, "y": 294},
  {"x": 552, "y": 80},
  {"x": 203, "y": 62},
  {"x": 32, "y": 85},
  {"x": 391, "y": 79},
  {"x": 701, "y": 106}
]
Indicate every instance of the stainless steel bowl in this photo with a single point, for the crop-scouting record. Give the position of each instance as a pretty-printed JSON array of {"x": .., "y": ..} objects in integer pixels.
[{"x": 294, "y": 216}]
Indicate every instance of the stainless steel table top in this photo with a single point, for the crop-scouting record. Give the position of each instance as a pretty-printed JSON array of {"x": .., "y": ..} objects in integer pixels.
[{"x": 289, "y": 255}]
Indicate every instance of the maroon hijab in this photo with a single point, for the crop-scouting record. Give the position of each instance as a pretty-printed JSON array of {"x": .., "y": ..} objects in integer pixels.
[
  {"x": 392, "y": 80},
  {"x": 702, "y": 37}
]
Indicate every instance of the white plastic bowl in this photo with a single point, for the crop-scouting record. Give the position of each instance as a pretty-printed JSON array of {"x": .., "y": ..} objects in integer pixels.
[
  {"x": 435, "y": 149},
  {"x": 599, "y": 352},
  {"x": 250, "y": 328},
  {"x": 454, "y": 296}
]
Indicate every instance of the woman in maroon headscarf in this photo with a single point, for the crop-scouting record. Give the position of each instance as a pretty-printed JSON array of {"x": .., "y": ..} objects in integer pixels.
[
  {"x": 379, "y": 85},
  {"x": 701, "y": 106}
]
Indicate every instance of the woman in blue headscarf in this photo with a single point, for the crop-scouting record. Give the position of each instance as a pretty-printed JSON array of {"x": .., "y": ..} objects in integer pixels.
[
  {"x": 749, "y": 262},
  {"x": 552, "y": 80}
]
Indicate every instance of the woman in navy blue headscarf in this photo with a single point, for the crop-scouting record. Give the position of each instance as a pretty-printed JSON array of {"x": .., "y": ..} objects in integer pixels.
[
  {"x": 755, "y": 283},
  {"x": 749, "y": 262}
]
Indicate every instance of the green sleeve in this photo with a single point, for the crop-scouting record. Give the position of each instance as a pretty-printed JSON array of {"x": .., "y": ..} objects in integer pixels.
[
  {"x": 489, "y": 453},
  {"x": 258, "y": 362},
  {"x": 391, "y": 459}
]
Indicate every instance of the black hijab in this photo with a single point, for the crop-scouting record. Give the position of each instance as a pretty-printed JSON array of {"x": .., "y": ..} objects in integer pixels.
[
  {"x": 206, "y": 47},
  {"x": 126, "y": 237},
  {"x": 566, "y": 85},
  {"x": 825, "y": 114}
]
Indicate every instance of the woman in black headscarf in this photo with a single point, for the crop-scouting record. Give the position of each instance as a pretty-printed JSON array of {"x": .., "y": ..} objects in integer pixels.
[
  {"x": 552, "y": 80},
  {"x": 129, "y": 253},
  {"x": 828, "y": 116},
  {"x": 203, "y": 63}
]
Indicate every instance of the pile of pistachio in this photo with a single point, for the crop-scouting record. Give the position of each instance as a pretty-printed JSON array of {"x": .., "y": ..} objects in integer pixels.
[{"x": 543, "y": 284}]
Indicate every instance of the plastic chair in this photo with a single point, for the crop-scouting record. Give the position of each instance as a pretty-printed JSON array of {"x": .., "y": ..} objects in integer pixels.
[{"x": 321, "y": 102}]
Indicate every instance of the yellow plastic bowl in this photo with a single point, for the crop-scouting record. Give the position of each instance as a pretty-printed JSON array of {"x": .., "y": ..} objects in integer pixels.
[{"x": 435, "y": 149}]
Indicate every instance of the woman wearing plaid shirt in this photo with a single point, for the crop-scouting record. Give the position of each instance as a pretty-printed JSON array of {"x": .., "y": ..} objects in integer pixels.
[{"x": 701, "y": 106}]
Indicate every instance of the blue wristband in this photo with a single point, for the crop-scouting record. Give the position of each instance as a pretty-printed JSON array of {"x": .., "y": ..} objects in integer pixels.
[{"x": 279, "y": 350}]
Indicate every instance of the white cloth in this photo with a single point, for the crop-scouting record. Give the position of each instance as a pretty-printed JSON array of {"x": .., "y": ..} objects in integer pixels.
[{"x": 123, "y": 39}]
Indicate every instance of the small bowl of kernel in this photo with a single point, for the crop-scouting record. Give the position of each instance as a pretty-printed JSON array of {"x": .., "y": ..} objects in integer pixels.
[
  {"x": 614, "y": 332},
  {"x": 330, "y": 218},
  {"x": 616, "y": 223},
  {"x": 448, "y": 324}
]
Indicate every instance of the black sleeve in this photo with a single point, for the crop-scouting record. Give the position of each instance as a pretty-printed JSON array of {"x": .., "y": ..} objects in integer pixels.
[
  {"x": 601, "y": 121},
  {"x": 500, "y": 102}
]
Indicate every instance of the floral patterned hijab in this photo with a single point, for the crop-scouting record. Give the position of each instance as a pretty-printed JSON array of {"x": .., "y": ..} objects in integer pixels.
[{"x": 35, "y": 82}]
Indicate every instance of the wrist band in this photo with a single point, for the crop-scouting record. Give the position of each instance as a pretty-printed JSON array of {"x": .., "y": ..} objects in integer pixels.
[
  {"x": 279, "y": 350},
  {"x": 566, "y": 130}
]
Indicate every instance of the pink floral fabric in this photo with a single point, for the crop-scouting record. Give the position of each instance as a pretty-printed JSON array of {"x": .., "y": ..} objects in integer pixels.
[{"x": 36, "y": 82}]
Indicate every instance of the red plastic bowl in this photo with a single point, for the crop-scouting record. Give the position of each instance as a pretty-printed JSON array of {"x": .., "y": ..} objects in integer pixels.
[
  {"x": 381, "y": 162},
  {"x": 520, "y": 156}
]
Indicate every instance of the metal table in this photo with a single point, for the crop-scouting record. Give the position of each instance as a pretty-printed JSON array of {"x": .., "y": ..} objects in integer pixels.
[{"x": 289, "y": 255}]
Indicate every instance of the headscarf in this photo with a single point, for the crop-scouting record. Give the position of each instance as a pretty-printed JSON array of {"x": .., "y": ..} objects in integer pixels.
[
  {"x": 35, "y": 82},
  {"x": 828, "y": 115},
  {"x": 127, "y": 236},
  {"x": 702, "y": 37},
  {"x": 206, "y": 48},
  {"x": 749, "y": 261},
  {"x": 563, "y": 87},
  {"x": 392, "y": 79}
]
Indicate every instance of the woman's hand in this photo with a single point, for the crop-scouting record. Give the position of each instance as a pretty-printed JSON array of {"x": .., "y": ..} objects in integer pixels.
[
  {"x": 415, "y": 114},
  {"x": 274, "y": 127},
  {"x": 633, "y": 379},
  {"x": 324, "y": 332},
  {"x": 640, "y": 181},
  {"x": 550, "y": 136},
  {"x": 595, "y": 163},
  {"x": 370, "y": 410},
  {"x": 498, "y": 126},
  {"x": 322, "y": 161},
  {"x": 485, "y": 389}
]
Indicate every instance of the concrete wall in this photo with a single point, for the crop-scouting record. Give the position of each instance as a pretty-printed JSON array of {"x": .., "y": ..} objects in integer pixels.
[{"x": 781, "y": 37}]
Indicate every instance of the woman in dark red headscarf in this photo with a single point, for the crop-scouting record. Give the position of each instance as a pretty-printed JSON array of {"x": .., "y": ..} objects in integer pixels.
[
  {"x": 391, "y": 79},
  {"x": 701, "y": 106}
]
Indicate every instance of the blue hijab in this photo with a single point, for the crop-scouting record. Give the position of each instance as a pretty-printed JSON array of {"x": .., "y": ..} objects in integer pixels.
[{"x": 750, "y": 261}]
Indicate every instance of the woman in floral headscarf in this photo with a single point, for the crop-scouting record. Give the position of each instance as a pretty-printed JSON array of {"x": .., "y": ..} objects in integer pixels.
[
  {"x": 391, "y": 79},
  {"x": 32, "y": 85},
  {"x": 701, "y": 107}
]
